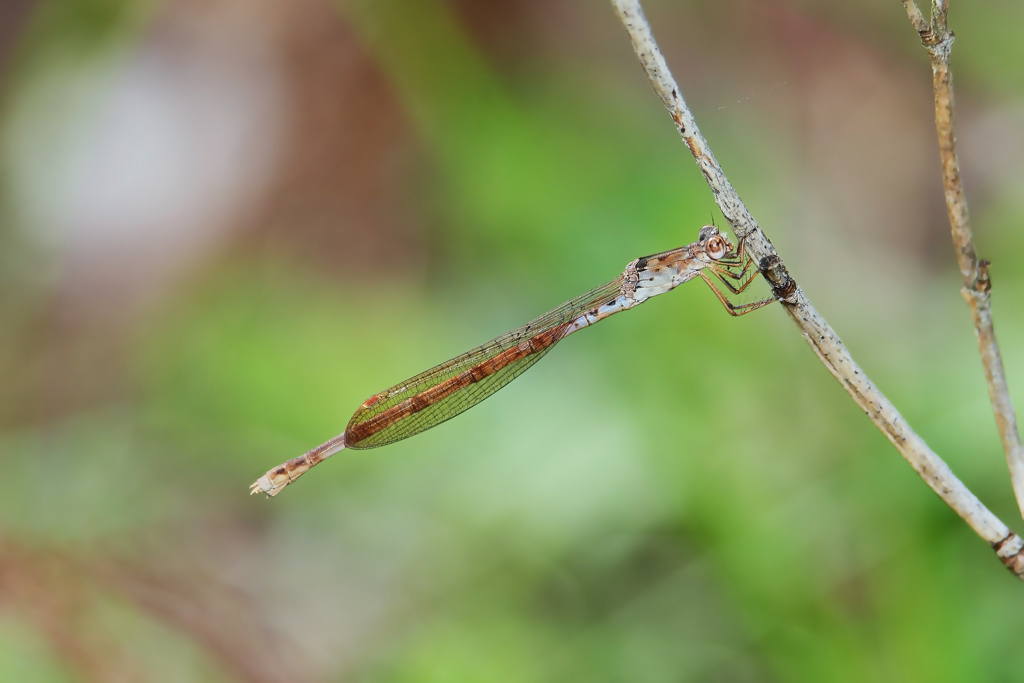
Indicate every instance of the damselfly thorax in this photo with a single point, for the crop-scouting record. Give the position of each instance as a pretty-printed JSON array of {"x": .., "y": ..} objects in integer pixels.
[{"x": 441, "y": 393}]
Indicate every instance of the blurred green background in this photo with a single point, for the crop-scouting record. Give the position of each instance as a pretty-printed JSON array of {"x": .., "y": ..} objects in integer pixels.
[{"x": 225, "y": 223}]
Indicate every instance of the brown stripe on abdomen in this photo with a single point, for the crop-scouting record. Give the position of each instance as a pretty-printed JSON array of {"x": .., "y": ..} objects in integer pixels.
[{"x": 435, "y": 394}]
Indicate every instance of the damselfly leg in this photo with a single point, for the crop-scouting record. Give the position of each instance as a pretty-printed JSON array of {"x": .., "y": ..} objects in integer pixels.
[{"x": 735, "y": 267}]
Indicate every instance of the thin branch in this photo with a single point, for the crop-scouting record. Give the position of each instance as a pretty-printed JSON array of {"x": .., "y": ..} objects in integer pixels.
[
  {"x": 938, "y": 40},
  {"x": 826, "y": 344}
]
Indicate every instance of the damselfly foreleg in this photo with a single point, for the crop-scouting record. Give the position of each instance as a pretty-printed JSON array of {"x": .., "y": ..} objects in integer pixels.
[{"x": 726, "y": 268}]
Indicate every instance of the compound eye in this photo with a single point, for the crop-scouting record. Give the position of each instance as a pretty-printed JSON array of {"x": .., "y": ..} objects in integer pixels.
[{"x": 717, "y": 247}]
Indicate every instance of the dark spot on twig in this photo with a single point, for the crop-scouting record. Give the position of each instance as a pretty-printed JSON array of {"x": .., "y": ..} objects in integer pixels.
[
  {"x": 785, "y": 289},
  {"x": 983, "y": 283},
  {"x": 998, "y": 545}
]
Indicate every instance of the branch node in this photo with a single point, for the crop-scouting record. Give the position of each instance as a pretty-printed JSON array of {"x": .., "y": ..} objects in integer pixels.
[
  {"x": 935, "y": 36},
  {"x": 1010, "y": 551},
  {"x": 939, "y": 44}
]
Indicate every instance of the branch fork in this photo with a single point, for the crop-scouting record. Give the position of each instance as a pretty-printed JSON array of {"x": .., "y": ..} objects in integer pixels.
[{"x": 935, "y": 35}]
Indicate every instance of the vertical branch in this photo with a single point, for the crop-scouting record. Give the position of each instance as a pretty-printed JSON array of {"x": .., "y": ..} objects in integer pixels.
[
  {"x": 938, "y": 40},
  {"x": 816, "y": 331}
]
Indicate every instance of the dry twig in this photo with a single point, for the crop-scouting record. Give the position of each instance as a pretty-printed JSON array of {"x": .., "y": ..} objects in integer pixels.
[
  {"x": 823, "y": 340},
  {"x": 937, "y": 40}
]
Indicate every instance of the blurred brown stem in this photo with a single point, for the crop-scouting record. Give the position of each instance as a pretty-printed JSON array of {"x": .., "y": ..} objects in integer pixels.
[
  {"x": 938, "y": 40},
  {"x": 816, "y": 331}
]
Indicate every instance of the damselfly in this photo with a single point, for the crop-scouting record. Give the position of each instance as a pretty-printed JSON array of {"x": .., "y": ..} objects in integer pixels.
[{"x": 441, "y": 393}]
